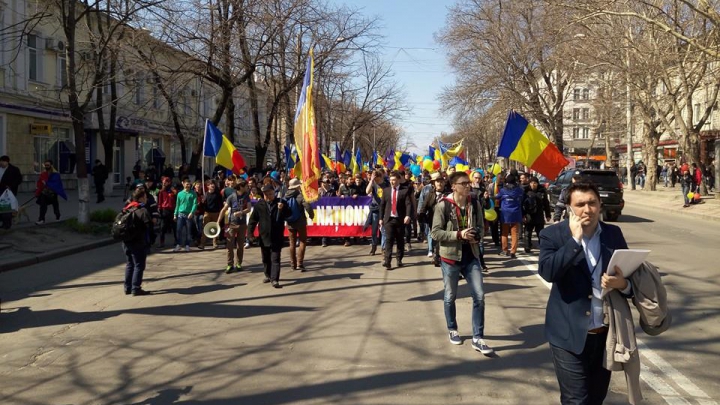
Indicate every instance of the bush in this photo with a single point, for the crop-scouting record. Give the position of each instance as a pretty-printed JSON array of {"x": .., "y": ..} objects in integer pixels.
[
  {"x": 94, "y": 228},
  {"x": 106, "y": 216}
]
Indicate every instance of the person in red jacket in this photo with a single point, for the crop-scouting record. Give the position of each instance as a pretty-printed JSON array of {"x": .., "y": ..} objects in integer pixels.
[
  {"x": 697, "y": 177},
  {"x": 47, "y": 188},
  {"x": 166, "y": 208}
]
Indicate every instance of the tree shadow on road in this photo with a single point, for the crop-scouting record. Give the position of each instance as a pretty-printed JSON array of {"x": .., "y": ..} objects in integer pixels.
[
  {"x": 167, "y": 396},
  {"x": 26, "y": 318}
]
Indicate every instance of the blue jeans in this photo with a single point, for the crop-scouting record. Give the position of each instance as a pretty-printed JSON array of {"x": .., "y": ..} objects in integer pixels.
[
  {"x": 470, "y": 269},
  {"x": 429, "y": 239},
  {"x": 183, "y": 229},
  {"x": 374, "y": 224},
  {"x": 382, "y": 237},
  {"x": 582, "y": 377},
  {"x": 685, "y": 191},
  {"x": 134, "y": 266}
]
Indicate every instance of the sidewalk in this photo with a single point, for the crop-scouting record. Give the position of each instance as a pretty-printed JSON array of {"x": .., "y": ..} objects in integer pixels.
[
  {"x": 26, "y": 243},
  {"x": 670, "y": 200}
]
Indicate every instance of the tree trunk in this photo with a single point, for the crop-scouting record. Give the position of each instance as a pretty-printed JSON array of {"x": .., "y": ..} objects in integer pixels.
[
  {"x": 650, "y": 151},
  {"x": 692, "y": 153}
]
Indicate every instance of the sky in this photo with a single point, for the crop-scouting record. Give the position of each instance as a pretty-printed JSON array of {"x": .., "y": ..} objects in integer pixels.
[{"x": 418, "y": 62}]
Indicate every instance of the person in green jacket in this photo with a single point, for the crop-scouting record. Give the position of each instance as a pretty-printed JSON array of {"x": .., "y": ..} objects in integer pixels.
[{"x": 184, "y": 209}]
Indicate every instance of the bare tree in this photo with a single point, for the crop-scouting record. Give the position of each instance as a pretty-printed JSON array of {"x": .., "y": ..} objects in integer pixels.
[
  {"x": 87, "y": 63},
  {"x": 519, "y": 48}
]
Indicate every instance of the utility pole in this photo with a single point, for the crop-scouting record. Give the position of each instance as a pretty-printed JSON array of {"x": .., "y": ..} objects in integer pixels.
[
  {"x": 353, "y": 139},
  {"x": 628, "y": 114}
]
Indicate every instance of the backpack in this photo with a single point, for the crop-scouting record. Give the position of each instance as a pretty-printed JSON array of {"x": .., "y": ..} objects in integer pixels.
[
  {"x": 295, "y": 209},
  {"x": 123, "y": 228}
]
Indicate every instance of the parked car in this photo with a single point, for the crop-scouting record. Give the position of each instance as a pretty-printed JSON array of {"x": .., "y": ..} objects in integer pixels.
[{"x": 608, "y": 183}]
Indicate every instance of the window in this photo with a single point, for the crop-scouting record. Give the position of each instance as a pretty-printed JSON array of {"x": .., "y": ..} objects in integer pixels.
[
  {"x": 585, "y": 114},
  {"x": 576, "y": 94},
  {"x": 585, "y": 132},
  {"x": 62, "y": 71},
  {"x": 156, "y": 96},
  {"x": 585, "y": 94},
  {"x": 576, "y": 133},
  {"x": 576, "y": 114},
  {"x": 139, "y": 90},
  {"x": 34, "y": 57},
  {"x": 697, "y": 112},
  {"x": 53, "y": 147}
]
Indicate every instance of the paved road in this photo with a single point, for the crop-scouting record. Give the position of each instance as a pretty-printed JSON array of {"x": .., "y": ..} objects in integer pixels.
[{"x": 346, "y": 331}]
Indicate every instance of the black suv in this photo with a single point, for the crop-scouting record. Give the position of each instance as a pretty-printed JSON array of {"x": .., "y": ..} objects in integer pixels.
[{"x": 607, "y": 181}]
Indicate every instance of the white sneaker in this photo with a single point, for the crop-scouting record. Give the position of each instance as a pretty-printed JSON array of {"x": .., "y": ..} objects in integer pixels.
[
  {"x": 177, "y": 248},
  {"x": 187, "y": 248},
  {"x": 430, "y": 254},
  {"x": 247, "y": 245}
]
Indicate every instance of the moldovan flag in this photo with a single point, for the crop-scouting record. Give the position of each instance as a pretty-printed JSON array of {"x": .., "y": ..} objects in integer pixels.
[
  {"x": 523, "y": 143},
  {"x": 218, "y": 146},
  {"x": 306, "y": 137}
]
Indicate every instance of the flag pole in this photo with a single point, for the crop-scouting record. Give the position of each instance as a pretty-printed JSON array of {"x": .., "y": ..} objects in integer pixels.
[{"x": 202, "y": 157}]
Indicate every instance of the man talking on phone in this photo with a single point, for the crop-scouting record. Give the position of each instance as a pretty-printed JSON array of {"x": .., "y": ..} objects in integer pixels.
[
  {"x": 458, "y": 227},
  {"x": 574, "y": 255}
]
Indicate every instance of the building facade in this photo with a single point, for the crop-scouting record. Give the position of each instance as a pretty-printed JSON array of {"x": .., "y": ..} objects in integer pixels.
[{"x": 35, "y": 122}]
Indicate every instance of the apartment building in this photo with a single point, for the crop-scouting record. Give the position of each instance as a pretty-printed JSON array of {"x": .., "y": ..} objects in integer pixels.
[{"x": 34, "y": 118}]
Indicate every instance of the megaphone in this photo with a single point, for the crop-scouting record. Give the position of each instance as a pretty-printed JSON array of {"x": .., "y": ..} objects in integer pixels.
[{"x": 211, "y": 230}]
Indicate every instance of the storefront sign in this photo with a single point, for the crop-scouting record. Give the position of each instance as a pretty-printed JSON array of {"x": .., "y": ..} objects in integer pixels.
[{"x": 40, "y": 129}]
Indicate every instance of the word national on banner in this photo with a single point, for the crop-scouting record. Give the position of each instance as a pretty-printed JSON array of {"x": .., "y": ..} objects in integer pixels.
[{"x": 339, "y": 217}]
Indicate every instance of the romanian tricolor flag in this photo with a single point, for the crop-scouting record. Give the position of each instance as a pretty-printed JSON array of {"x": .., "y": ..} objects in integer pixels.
[
  {"x": 379, "y": 161},
  {"x": 523, "y": 143},
  {"x": 339, "y": 163},
  {"x": 216, "y": 145},
  {"x": 306, "y": 137},
  {"x": 356, "y": 163},
  {"x": 327, "y": 163}
]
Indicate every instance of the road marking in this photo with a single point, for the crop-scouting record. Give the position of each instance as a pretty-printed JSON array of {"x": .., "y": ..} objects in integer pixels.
[
  {"x": 672, "y": 372},
  {"x": 654, "y": 381},
  {"x": 661, "y": 387}
]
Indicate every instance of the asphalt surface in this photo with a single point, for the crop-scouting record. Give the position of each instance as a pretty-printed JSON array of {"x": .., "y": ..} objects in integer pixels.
[{"x": 346, "y": 331}]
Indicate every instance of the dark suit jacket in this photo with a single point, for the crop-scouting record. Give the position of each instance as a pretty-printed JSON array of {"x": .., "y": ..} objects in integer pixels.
[
  {"x": 404, "y": 204},
  {"x": 562, "y": 262},
  {"x": 270, "y": 222},
  {"x": 11, "y": 179}
]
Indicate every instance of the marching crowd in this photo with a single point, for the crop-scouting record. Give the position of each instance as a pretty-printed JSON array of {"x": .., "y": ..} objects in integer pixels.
[{"x": 451, "y": 211}]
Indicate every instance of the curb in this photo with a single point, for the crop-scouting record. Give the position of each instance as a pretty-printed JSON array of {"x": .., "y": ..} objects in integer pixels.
[{"x": 55, "y": 254}]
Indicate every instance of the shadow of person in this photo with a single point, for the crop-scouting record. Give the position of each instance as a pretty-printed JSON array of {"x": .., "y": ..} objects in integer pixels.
[
  {"x": 198, "y": 289},
  {"x": 166, "y": 397}
]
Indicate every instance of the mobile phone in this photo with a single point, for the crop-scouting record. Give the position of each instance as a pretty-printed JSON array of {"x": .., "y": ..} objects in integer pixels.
[{"x": 570, "y": 212}]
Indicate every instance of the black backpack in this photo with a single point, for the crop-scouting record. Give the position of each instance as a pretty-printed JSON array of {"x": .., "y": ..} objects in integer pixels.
[{"x": 124, "y": 228}]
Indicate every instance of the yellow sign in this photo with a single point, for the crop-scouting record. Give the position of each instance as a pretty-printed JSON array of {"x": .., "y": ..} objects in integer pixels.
[{"x": 40, "y": 129}]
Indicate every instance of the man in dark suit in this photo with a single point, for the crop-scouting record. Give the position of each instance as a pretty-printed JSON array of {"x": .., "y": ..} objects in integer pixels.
[
  {"x": 269, "y": 216},
  {"x": 395, "y": 210},
  {"x": 574, "y": 256}
]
